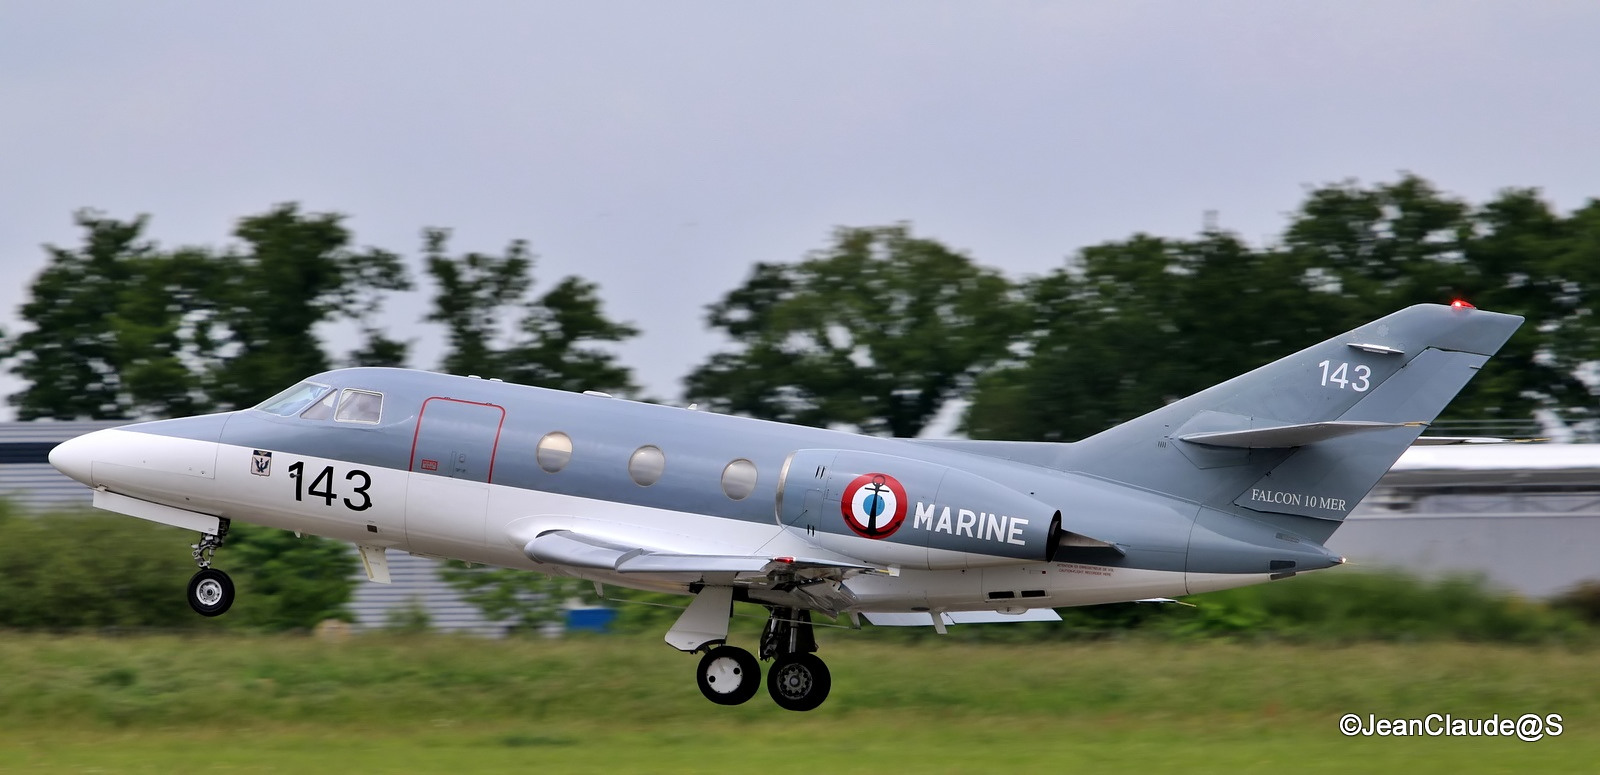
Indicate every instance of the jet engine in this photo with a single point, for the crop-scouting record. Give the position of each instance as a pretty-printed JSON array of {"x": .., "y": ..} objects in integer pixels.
[{"x": 911, "y": 513}]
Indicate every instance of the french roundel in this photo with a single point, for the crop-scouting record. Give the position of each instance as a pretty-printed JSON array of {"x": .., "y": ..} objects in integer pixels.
[{"x": 874, "y": 505}]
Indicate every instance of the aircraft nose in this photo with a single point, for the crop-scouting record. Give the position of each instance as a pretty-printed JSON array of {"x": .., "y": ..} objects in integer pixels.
[{"x": 75, "y": 457}]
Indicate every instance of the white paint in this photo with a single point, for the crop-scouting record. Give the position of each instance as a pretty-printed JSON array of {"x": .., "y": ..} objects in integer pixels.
[
  {"x": 424, "y": 514},
  {"x": 375, "y": 560},
  {"x": 156, "y": 512},
  {"x": 1340, "y": 376}
]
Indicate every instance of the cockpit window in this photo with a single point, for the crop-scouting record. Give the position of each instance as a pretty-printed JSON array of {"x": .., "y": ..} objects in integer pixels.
[
  {"x": 360, "y": 406},
  {"x": 322, "y": 409},
  {"x": 292, "y": 401}
]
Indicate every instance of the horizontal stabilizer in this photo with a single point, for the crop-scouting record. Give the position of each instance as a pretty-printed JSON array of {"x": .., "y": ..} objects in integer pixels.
[
  {"x": 575, "y": 550},
  {"x": 1285, "y": 436},
  {"x": 961, "y": 617}
]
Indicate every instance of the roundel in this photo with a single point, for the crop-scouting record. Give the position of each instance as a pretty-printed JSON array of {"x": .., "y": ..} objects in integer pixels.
[{"x": 874, "y": 505}]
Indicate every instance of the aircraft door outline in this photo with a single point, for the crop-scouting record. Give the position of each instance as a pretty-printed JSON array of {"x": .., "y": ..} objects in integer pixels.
[{"x": 450, "y": 442}]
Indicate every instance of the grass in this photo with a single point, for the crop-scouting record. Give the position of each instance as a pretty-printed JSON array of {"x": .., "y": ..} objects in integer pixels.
[{"x": 241, "y": 703}]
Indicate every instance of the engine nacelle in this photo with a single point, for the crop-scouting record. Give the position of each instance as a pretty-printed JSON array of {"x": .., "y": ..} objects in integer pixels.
[{"x": 899, "y": 511}]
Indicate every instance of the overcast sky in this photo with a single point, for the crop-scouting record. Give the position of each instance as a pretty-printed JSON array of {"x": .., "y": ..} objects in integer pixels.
[{"x": 661, "y": 148}]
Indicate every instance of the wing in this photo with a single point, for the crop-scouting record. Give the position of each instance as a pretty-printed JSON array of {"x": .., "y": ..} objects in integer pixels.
[
  {"x": 573, "y": 549},
  {"x": 818, "y": 583},
  {"x": 959, "y": 617}
]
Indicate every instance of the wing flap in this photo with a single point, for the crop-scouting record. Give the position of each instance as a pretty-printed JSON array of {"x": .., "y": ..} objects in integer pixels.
[
  {"x": 959, "y": 617},
  {"x": 572, "y": 549}
]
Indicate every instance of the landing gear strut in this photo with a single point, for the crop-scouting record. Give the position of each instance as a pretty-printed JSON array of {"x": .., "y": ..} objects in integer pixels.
[
  {"x": 210, "y": 590},
  {"x": 728, "y": 675},
  {"x": 798, "y": 679}
]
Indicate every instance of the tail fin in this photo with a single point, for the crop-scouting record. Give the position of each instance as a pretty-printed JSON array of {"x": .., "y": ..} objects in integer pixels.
[{"x": 1307, "y": 436}]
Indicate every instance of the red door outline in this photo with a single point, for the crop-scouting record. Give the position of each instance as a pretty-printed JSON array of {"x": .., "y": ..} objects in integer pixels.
[{"x": 494, "y": 449}]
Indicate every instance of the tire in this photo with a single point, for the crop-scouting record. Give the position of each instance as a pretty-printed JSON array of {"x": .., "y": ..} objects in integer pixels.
[
  {"x": 210, "y": 592},
  {"x": 728, "y": 675},
  {"x": 798, "y": 681}
]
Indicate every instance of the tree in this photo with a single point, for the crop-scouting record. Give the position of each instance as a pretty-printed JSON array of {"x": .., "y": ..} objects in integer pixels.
[
  {"x": 288, "y": 582},
  {"x": 91, "y": 569},
  {"x": 878, "y": 331},
  {"x": 1128, "y": 326},
  {"x": 122, "y": 329},
  {"x": 295, "y": 271},
  {"x": 1402, "y": 243},
  {"x": 118, "y": 328},
  {"x": 524, "y": 599},
  {"x": 494, "y": 330}
]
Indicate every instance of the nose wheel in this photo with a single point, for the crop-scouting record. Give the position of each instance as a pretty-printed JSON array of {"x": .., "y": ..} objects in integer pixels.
[{"x": 210, "y": 592}]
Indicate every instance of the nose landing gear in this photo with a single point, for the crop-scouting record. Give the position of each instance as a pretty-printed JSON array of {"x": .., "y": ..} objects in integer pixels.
[{"x": 210, "y": 590}]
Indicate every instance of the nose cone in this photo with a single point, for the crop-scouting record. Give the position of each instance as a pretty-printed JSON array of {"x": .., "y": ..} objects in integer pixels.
[{"x": 75, "y": 457}]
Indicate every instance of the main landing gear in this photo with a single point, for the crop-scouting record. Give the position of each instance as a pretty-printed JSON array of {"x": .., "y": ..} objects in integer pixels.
[
  {"x": 798, "y": 679},
  {"x": 728, "y": 675},
  {"x": 210, "y": 590}
]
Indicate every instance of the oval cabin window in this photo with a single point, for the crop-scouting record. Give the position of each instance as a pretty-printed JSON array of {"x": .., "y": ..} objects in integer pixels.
[
  {"x": 554, "y": 451},
  {"x": 739, "y": 479},
  {"x": 646, "y": 465}
]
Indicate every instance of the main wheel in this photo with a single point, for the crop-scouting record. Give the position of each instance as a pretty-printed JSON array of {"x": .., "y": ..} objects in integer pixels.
[
  {"x": 210, "y": 592},
  {"x": 728, "y": 675},
  {"x": 798, "y": 681}
]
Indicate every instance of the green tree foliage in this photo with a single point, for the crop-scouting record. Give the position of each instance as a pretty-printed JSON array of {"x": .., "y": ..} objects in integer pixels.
[
  {"x": 495, "y": 330},
  {"x": 287, "y": 582},
  {"x": 64, "y": 570},
  {"x": 1136, "y": 324},
  {"x": 1128, "y": 326},
  {"x": 879, "y": 331},
  {"x": 524, "y": 599},
  {"x": 122, "y": 329},
  {"x": 294, "y": 271},
  {"x": 117, "y": 328},
  {"x": 92, "y": 570}
]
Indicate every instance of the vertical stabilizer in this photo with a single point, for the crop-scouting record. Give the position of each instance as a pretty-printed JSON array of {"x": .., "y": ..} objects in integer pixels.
[{"x": 1308, "y": 435}]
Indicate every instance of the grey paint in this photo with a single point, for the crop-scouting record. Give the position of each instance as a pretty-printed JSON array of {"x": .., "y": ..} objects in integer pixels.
[{"x": 1135, "y": 486}]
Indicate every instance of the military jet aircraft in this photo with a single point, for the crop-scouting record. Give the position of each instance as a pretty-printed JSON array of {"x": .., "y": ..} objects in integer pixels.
[{"x": 1238, "y": 484}]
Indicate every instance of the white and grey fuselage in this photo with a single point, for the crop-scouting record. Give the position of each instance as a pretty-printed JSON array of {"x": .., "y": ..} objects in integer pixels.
[{"x": 1205, "y": 494}]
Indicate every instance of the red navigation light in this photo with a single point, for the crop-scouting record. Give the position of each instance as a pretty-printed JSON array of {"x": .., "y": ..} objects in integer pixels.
[{"x": 1461, "y": 304}]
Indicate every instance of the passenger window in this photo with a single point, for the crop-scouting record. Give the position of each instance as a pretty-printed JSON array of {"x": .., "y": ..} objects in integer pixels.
[
  {"x": 647, "y": 465},
  {"x": 321, "y": 410},
  {"x": 360, "y": 406},
  {"x": 739, "y": 479},
  {"x": 554, "y": 451}
]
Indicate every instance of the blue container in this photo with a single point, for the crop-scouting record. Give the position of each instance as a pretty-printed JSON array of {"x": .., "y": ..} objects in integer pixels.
[{"x": 590, "y": 619}]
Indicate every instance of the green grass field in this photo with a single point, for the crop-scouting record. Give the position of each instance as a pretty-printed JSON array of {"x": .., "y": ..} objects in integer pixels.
[{"x": 237, "y": 703}]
